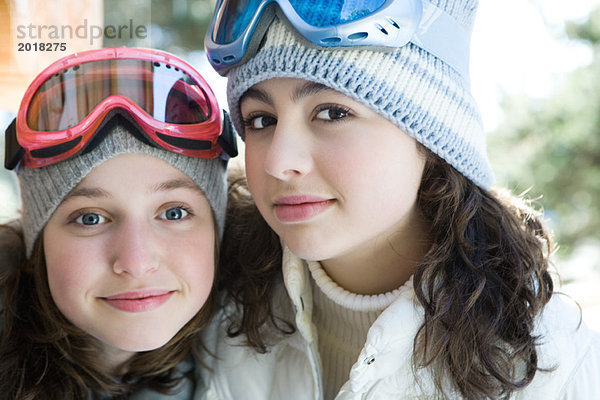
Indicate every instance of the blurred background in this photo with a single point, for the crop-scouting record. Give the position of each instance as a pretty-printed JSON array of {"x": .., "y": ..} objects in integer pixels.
[{"x": 535, "y": 75}]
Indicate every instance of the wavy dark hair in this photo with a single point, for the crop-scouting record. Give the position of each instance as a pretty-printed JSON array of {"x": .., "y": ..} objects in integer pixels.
[
  {"x": 44, "y": 356},
  {"x": 482, "y": 283}
]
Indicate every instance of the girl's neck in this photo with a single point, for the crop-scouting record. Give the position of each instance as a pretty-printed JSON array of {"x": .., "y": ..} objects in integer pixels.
[
  {"x": 112, "y": 360},
  {"x": 384, "y": 263}
]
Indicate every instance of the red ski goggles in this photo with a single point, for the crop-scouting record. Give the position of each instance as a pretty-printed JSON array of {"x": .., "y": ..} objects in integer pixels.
[{"x": 71, "y": 100}]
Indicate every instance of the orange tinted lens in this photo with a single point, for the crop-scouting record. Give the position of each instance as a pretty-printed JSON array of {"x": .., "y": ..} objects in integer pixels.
[{"x": 163, "y": 91}]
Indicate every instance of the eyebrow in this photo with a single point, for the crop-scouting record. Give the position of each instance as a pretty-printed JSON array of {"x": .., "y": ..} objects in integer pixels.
[
  {"x": 91, "y": 193},
  {"x": 94, "y": 193},
  {"x": 301, "y": 91},
  {"x": 256, "y": 94},
  {"x": 309, "y": 89},
  {"x": 177, "y": 184}
]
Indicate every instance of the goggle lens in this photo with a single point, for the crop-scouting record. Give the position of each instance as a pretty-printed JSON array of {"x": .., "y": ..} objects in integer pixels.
[
  {"x": 235, "y": 18},
  {"x": 329, "y": 13},
  {"x": 237, "y": 14},
  {"x": 165, "y": 92}
]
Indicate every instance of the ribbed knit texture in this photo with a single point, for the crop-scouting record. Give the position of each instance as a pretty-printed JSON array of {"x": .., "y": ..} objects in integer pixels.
[
  {"x": 42, "y": 189},
  {"x": 410, "y": 87},
  {"x": 342, "y": 320}
]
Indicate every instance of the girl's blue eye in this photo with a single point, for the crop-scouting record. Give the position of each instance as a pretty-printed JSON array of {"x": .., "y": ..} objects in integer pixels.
[
  {"x": 89, "y": 219},
  {"x": 174, "y": 214}
]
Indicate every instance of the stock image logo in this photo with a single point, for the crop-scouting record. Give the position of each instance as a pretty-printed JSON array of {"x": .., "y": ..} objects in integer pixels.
[{"x": 39, "y": 37}]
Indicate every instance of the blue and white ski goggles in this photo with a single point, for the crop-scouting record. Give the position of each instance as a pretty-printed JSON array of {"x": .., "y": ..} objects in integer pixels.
[{"x": 238, "y": 26}]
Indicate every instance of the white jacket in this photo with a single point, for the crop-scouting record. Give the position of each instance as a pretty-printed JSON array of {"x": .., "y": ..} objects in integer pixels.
[{"x": 291, "y": 368}]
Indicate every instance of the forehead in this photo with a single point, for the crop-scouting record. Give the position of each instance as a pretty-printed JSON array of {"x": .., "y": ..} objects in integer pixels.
[
  {"x": 128, "y": 172},
  {"x": 296, "y": 88}
]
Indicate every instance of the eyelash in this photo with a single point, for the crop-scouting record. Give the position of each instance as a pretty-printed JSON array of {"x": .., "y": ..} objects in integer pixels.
[
  {"x": 81, "y": 213},
  {"x": 248, "y": 122},
  {"x": 337, "y": 108},
  {"x": 180, "y": 206}
]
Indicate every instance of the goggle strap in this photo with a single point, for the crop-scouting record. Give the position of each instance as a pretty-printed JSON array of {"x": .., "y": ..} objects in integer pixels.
[
  {"x": 53, "y": 151},
  {"x": 441, "y": 35},
  {"x": 227, "y": 139},
  {"x": 13, "y": 152},
  {"x": 115, "y": 117},
  {"x": 188, "y": 144}
]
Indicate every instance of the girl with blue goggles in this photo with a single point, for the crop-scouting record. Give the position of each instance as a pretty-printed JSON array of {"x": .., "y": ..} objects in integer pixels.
[{"x": 374, "y": 260}]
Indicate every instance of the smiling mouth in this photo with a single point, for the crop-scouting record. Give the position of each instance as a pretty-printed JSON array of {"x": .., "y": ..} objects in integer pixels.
[
  {"x": 138, "y": 301},
  {"x": 301, "y": 208}
]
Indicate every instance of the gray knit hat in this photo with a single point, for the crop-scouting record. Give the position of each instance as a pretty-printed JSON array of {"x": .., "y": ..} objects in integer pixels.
[
  {"x": 43, "y": 189},
  {"x": 418, "y": 92}
]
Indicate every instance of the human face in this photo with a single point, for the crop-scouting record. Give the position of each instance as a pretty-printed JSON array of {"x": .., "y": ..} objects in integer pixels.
[
  {"x": 130, "y": 253},
  {"x": 332, "y": 177}
]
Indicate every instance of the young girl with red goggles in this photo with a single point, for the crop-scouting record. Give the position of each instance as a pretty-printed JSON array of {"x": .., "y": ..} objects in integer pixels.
[{"x": 121, "y": 160}]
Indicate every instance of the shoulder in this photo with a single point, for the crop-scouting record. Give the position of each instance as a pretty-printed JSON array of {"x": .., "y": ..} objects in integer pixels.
[
  {"x": 569, "y": 350},
  {"x": 562, "y": 332},
  {"x": 236, "y": 370},
  {"x": 215, "y": 335},
  {"x": 583, "y": 381}
]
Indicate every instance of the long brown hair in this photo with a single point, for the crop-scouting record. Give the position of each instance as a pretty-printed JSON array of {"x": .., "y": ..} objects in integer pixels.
[
  {"x": 44, "y": 356},
  {"x": 481, "y": 284}
]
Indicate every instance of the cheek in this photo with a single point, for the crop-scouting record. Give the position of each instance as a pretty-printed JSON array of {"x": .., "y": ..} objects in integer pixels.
[
  {"x": 71, "y": 267},
  {"x": 252, "y": 157},
  {"x": 380, "y": 180},
  {"x": 255, "y": 174},
  {"x": 194, "y": 261}
]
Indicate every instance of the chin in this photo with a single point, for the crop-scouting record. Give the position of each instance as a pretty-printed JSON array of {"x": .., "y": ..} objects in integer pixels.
[
  {"x": 143, "y": 346},
  {"x": 139, "y": 342},
  {"x": 306, "y": 252}
]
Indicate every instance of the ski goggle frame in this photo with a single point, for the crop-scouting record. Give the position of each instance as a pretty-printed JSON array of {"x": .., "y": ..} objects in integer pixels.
[
  {"x": 69, "y": 102},
  {"x": 237, "y": 27}
]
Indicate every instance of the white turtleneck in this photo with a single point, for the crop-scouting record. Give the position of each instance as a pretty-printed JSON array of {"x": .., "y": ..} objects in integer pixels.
[{"x": 342, "y": 320}]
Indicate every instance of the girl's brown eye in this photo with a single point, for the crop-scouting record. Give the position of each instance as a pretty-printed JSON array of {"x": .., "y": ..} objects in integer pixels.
[
  {"x": 332, "y": 113},
  {"x": 259, "y": 122}
]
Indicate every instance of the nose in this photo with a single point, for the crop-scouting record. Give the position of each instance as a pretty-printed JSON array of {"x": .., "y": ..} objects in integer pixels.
[
  {"x": 134, "y": 250},
  {"x": 289, "y": 153}
]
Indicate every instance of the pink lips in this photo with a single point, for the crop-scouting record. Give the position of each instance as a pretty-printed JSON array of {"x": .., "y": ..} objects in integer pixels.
[
  {"x": 139, "y": 301},
  {"x": 300, "y": 208}
]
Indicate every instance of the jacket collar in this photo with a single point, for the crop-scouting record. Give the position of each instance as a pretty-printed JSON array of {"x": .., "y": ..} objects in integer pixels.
[{"x": 387, "y": 352}]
